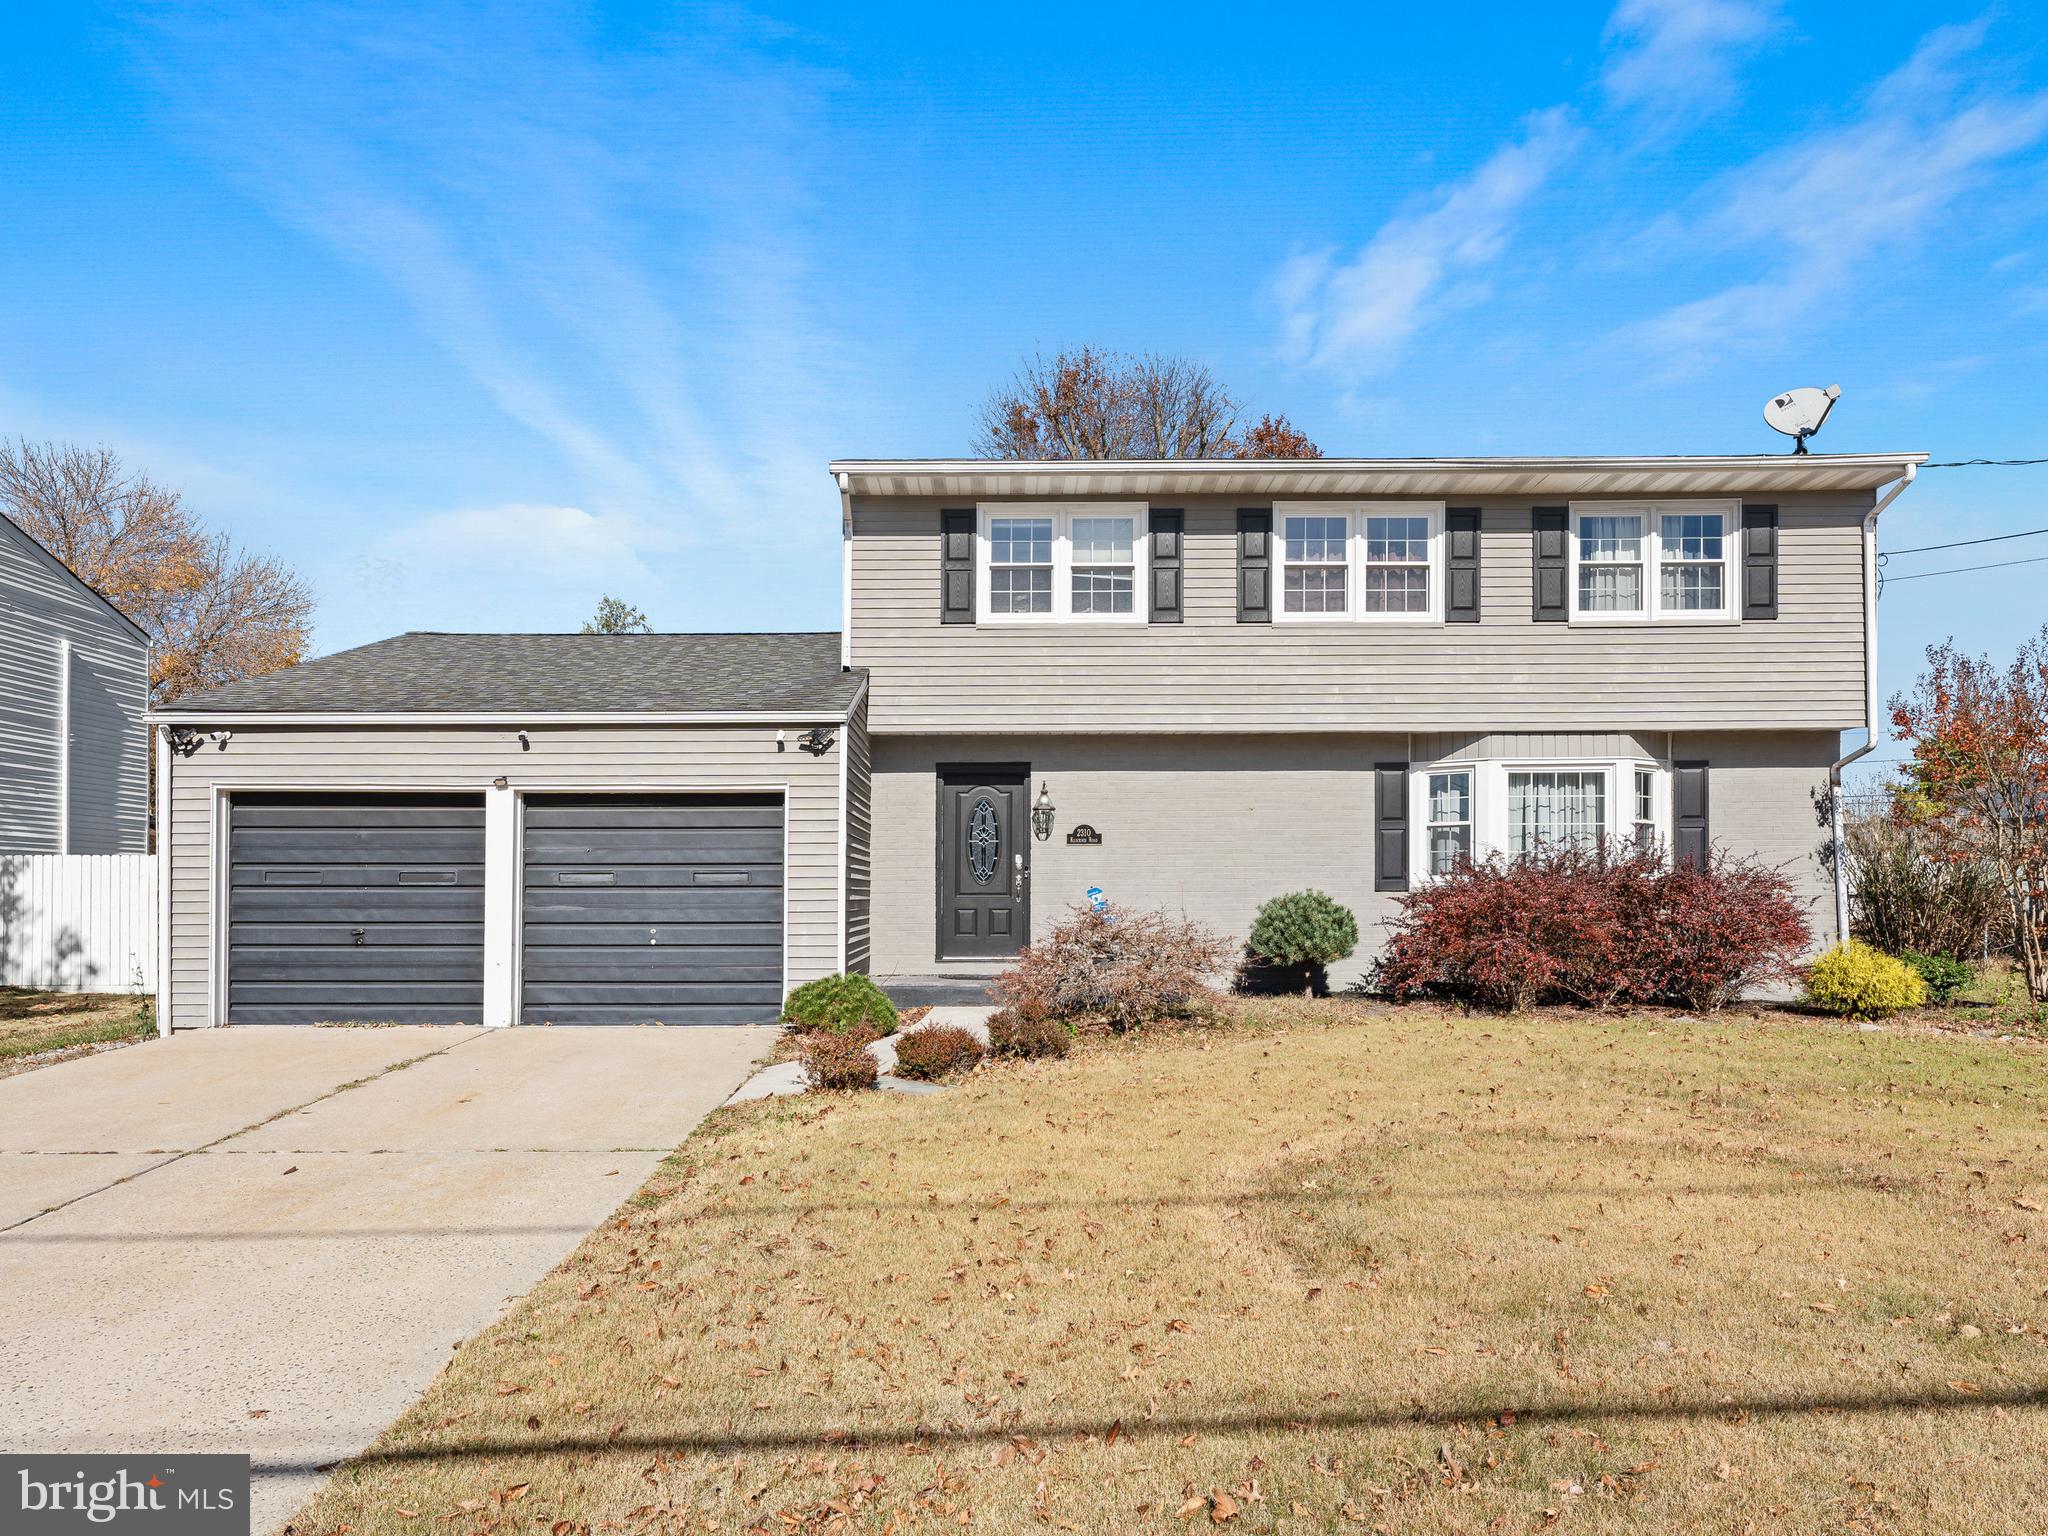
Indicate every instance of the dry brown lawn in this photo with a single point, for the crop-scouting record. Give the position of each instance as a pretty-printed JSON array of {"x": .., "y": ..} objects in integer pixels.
[
  {"x": 1329, "y": 1271},
  {"x": 34, "y": 1023}
]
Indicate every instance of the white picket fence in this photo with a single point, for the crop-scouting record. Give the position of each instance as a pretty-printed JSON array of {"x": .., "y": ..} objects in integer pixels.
[{"x": 78, "y": 922}]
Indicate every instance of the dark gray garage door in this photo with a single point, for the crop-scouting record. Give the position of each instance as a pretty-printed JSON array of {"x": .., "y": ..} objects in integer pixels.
[
  {"x": 366, "y": 907},
  {"x": 653, "y": 909}
]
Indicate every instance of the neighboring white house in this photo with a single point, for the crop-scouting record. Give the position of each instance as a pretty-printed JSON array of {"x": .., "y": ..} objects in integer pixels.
[{"x": 74, "y": 685}]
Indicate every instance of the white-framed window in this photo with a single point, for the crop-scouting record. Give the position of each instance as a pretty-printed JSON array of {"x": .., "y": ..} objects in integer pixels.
[
  {"x": 1083, "y": 562},
  {"x": 1447, "y": 820},
  {"x": 1645, "y": 561},
  {"x": 1315, "y": 565},
  {"x": 1644, "y": 826},
  {"x": 1366, "y": 562},
  {"x": 1397, "y": 568}
]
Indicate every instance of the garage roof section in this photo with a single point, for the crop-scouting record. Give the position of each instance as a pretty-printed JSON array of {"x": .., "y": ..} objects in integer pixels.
[{"x": 426, "y": 674}]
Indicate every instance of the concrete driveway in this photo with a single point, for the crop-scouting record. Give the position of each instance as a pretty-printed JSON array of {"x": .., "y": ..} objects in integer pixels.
[{"x": 268, "y": 1240}]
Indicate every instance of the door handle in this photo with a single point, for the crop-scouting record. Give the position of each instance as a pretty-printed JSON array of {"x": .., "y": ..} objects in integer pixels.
[{"x": 1018, "y": 875}]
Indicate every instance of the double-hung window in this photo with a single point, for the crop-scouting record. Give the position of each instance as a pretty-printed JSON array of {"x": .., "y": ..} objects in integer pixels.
[
  {"x": 1047, "y": 563},
  {"x": 1645, "y": 807},
  {"x": 1315, "y": 565},
  {"x": 1647, "y": 561},
  {"x": 1397, "y": 576},
  {"x": 1448, "y": 820},
  {"x": 1369, "y": 562}
]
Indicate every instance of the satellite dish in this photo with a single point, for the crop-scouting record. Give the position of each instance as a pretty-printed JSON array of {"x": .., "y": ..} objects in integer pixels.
[{"x": 1798, "y": 413}]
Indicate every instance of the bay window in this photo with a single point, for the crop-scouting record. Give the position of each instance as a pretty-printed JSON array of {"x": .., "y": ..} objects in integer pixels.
[
  {"x": 1049, "y": 564},
  {"x": 1648, "y": 561},
  {"x": 1463, "y": 812}
]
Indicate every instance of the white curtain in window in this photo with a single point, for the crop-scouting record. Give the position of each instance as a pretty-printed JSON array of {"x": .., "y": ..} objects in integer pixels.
[{"x": 1550, "y": 807}]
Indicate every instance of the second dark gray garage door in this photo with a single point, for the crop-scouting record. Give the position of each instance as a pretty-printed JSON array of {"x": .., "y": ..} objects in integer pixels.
[{"x": 652, "y": 909}]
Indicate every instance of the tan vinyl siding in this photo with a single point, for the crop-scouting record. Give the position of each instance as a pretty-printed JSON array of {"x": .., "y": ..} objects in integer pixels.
[
  {"x": 1506, "y": 673},
  {"x": 859, "y": 839},
  {"x": 1215, "y": 825},
  {"x": 676, "y": 758},
  {"x": 107, "y": 688}
]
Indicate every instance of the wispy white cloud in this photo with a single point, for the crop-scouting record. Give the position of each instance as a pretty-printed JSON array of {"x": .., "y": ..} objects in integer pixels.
[
  {"x": 1353, "y": 317},
  {"x": 1675, "y": 61},
  {"x": 613, "y": 243},
  {"x": 1822, "y": 210}
]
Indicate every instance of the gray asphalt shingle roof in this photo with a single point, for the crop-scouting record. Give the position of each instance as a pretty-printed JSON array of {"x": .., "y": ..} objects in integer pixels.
[{"x": 428, "y": 673}]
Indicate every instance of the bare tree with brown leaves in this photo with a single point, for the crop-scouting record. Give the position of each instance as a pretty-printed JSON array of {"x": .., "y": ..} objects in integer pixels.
[
  {"x": 213, "y": 612},
  {"x": 1091, "y": 404}
]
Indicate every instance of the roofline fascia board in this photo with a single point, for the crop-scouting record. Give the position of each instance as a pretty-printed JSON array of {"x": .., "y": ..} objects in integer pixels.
[
  {"x": 500, "y": 717},
  {"x": 1265, "y": 477},
  {"x": 1798, "y": 463}
]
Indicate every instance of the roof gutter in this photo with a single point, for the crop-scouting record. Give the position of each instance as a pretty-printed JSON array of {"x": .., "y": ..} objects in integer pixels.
[
  {"x": 505, "y": 717},
  {"x": 1890, "y": 494}
]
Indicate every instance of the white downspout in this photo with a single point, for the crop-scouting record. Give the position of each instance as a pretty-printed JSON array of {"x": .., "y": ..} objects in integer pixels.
[
  {"x": 1870, "y": 704},
  {"x": 845, "y": 570}
]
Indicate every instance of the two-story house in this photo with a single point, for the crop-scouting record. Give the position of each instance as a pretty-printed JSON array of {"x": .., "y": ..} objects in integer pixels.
[
  {"x": 74, "y": 686},
  {"x": 1189, "y": 685}
]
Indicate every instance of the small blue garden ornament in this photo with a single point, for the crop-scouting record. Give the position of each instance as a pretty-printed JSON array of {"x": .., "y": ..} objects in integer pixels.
[{"x": 1100, "y": 903}]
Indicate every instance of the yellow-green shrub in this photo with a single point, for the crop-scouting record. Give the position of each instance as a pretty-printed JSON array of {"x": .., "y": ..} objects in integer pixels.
[{"x": 1859, "y": 982}]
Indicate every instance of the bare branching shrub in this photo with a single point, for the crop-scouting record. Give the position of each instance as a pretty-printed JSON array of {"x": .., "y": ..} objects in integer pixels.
[
  {"x": 1911, "y": 896},
  {"x": 1124, "y": 968},
  {"x": 837, "y": 1062}
]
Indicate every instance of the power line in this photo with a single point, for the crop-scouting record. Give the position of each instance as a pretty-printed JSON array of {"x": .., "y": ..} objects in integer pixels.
[
  {"x": 1996, "y": 565},
  {"x": 1990, "y": 463},
  {"x": 1921, "y": 549}
]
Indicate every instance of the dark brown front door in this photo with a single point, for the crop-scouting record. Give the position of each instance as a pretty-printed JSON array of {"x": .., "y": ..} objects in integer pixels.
[{"x": 984, "y": 860}]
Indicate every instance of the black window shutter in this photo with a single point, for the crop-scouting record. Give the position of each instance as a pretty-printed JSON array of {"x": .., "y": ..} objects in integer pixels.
[
  {"x": 956, "y": 563},
  {"x": 1390, "y": 827},
  {"x": 1461, "y": 565},
  {"x": 1254, "y": 565},
  {"x": 1689, "y": 813},
  {"x": 1167, "y": 530},
  {"x": 1553, "y": 527},
  {"x": 1759, "y": 561}
]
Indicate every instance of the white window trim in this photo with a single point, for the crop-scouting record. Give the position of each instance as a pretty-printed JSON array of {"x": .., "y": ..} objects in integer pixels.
[
  {"x": 1063, "y": 515},
  {"x": 1490, "y": 833},
  {"x": 1652, "y": 611},
  {"x": 1354, "y": 514}
]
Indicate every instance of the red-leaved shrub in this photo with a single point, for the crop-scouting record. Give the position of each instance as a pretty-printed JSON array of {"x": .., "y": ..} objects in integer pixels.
[
  {"x": 936, "y": 1050},
  {"x": 1124, "y": 967},
  {"x": 1566, "y": 925}
]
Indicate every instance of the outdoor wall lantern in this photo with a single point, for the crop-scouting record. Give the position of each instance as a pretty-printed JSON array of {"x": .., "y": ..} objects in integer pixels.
[{"x": 1041, "y": 813}]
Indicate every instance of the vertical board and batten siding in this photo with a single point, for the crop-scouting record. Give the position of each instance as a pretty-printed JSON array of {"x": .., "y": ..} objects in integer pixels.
[
  {"x": 1213, "y": 825},
  {"x": 1528, "y": 747},
  {"x": 563, "y": 758},
  {"x": 859, "y": 840},
  {"x": 101, "y": 696},
  {"x": 79, "y": 922},
  {"x": 1504, "y": 673}
]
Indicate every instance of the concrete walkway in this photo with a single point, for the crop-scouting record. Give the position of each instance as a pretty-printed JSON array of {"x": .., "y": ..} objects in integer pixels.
[{"x": 268, "y": 1240}]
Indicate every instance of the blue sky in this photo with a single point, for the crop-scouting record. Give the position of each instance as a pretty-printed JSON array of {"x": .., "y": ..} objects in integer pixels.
[{"x": 473, "y": 314}]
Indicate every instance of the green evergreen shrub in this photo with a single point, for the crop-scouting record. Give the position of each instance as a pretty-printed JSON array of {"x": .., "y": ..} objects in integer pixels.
[
  {"x": 1946, "y": 977},
  {"x": 840, "y": 1004},
  {"x": 1305, "y": 928}
]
